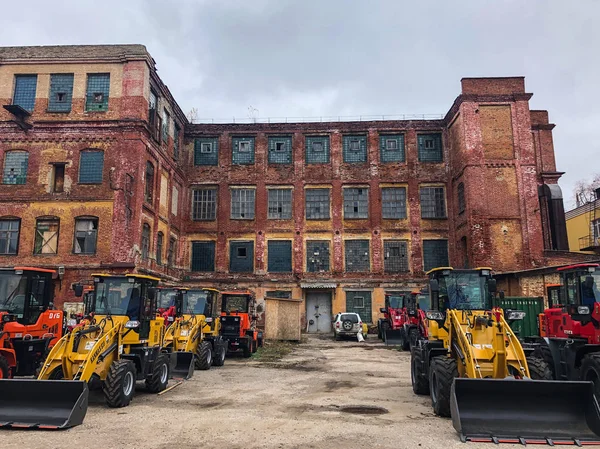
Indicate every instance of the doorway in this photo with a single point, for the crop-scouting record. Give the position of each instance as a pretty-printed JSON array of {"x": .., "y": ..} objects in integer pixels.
[{"x": 318, "y": 312}]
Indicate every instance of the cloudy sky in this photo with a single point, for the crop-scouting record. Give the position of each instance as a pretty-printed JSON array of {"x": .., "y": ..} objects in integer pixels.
[{"x": 311, "y": 58}]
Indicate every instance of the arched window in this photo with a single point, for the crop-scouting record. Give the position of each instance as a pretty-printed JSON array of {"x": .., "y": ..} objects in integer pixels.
[
  {"x": 86, "y": 235},
  {"x": 159, "y": 248},
  {"x": 149, "y": 182},
  {"x": 46, "y": 235},
  {"x": 15, "y": 167},
  {"x": 145, "y": 241}
]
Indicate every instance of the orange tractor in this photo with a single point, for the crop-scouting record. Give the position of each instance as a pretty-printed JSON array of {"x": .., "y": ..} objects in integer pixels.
[
  {"x": 238, "y": 321},
  {"x": 28, "y": 324}
]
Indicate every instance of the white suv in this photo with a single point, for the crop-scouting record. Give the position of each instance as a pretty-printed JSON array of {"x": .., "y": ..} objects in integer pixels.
[{"x": 347, "y": 325}]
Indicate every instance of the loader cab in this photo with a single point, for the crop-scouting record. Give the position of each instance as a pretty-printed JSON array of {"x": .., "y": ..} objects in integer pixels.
[
  {"x": 235, "y": 303},
  {"x": 415, "y": 301},
  {"x": 580, "y": 290},
  {"x": 165, "y": 297},
  {"x": 126, "y": 296},
  {"x": 200, "y": 301},
  {"x": 26, "y": 293}
]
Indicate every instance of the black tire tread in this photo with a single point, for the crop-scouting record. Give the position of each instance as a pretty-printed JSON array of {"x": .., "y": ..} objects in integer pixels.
[
  {"x": 404, "y": 341},
  {"x": 153, "y": 383},
  {"x": 539, "y": 369},
  {"x": 413, "y": 336},
  {"x": 220, "y": 354},
  {"x": 420, "y": 382},
  {"x": 542, "y": 351},
  {"x": 247, "y": 348},
  {"x": 112, "y": 388},
  {"x": 446, "y": 370},
  {"x": 201, "y": 359},
  {"x": 4, "y": 367},
  {"x": 591, "y": 362}
]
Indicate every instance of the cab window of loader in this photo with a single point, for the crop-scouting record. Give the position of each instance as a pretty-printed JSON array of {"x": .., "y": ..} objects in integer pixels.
[
  {"x": 235, "y": 304},
  {"x": 589, "y": 289},
  {"x": 166, "y": 298},
  {"x": 12, "y": 294},
  {"x": 119, "y": 297},
  {"x": 395, "y": 301},
  {"x": 196, "y": 302},
  {"x": 464, "y": 291},
  {"x": 423, "y": 302}
]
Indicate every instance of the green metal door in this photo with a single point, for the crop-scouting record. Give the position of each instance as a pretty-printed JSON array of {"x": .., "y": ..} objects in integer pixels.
[{"x": 529, "y": 326}]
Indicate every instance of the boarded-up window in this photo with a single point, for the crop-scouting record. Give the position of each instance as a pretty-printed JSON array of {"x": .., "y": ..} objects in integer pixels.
[
  {"x": 317, "y": 149},
  {"x": 395, "y": 253},
  {"x": 360, "y": 302},
  {"x": 15, "y": 167},
  {"x": 243, "y": 150},
  {"x": 355, "y": 149},
  {"x": 357, "y": 255},
  {"x": 393, "y": 202},
  {"x": 91, "y": 165},
  {"x": 317, "y": 256},
  {"x": 241, "y": 256},
  {"x": 280, "y": 204},
  {"x": 430, "y": 147},
  {"x": 356, "y": 202},
  {"x": 279, "y": 256},
  {"x": 433, "y": 202},
  {"x": 46, "y": 236},
  {"x": 86, "y": 235},
  {"x": 203, "y": 256},
  {"x": 280, "y": 150},
  {"x": 496, "y": 131},
  {"x": 435, "y": 254},
  {"x": 317, "y": 204},
  {"x": 174, "y": 200},
  {"x": 242, "y": 204},
  {"x": 164, "y": 193},
  {"x": 391, "y": 148},
  {"x": 204, "y": 204},
  {"x": 206, "y": 151}
]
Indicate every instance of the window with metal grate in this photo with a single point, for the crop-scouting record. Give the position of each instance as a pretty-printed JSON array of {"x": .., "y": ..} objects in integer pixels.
[
  {"x": 279, "y": 255},
  {"x": 206, "y": 151},
  {"x": 241, "y": 256},
  {"x": 391, "y": 148},
  {"x": 243, "y": 150},
  {"x": 317, "y": 149},
  {"x": 280, "y": 150},
  {"x": 360, "y": 302},
  {"x": 435, "y": 254},
  {"x": 433, "y": 202},
  {"x": 25, "y": 88},
  {"x": 98, "y": 87},
  {"x": 357, "y": 256},
  {"x": 203, "y": 256},
  {"x": 395, "y": 256},
  {"x": 356, "y": 202},
  {"x": 61, "y": 92},
  {"x": 430, "y": 147},
  {"x": 317, "y": 204},
  {"x": 317, "y": 256},
  {"x": 9, "y": 235},
  {"x": 355, "y": 149},
  {"x": 15, "y": 167},
  {"x": 393, "y": 202},
  {"x": 204, "y": 204},
  {"x": 242, "y": 204},
  {"x": 280, "y": 204},
  {"x": 91, "y": 165}
]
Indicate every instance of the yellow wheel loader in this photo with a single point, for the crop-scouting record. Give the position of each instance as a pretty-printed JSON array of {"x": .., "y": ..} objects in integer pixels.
[
  {"x": 476, "y": 371},
  {"x": 193, "y": 338},
  {"x": 117, "y": 344}
]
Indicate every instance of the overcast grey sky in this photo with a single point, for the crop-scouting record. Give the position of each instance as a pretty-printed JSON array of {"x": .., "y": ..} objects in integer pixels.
[{"x": 334, "y": 57}]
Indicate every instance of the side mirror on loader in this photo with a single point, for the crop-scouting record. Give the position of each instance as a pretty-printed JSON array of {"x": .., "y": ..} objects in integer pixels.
[{"x": 78, "y": 289}]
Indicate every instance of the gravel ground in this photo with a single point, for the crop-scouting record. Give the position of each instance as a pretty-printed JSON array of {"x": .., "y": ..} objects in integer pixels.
[{"x": 299, "y": 401}]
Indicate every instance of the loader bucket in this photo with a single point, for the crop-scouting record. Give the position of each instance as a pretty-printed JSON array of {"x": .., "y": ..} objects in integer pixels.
[
  {"x": 392, "y": 337},
  {"x": 182, "y": 364},
  {"x": 42, "y": 404},
  {"x": 525, "y": 411}
]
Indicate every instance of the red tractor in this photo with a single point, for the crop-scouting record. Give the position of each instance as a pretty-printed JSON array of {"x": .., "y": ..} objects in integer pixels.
[
  {"x": 570, "y": 331},
  {"x": 390, "y": 328},
  {"x": 28, "y": 324},
  {"x": 415, "y": 321},
  {"x": 238, "y": 322}
]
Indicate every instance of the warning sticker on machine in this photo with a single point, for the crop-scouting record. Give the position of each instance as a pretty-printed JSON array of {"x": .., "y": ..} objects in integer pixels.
[{"x": 89, "y": 345}]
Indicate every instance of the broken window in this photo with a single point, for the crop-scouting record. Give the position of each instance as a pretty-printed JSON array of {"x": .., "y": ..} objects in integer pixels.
[
  {"x": 430, "y": 147},
  {"x": 86, "y": 235},
  {"x": 317, "y": 204},
  {"x": 25, "y": 88},
  {"x": 359, "y": 302},
  {"x": 166, "y": 119},
  {"x": 159, "y": 247},
  {"x": 280, "y": 204},
  {"x": 98, "y": 86},
  {"x": 435, "y": 254},
  {"x": 243, "y": 150},
  {"x": 280, "y": 150},
  {"x": 395, "y": 255},
  {"x": 9, "y": 235},
  {"x": 204, "y": 204},
  {"x": 357, "y": 255},
  {"x": 433, "y": 202},
  {"x": 461, "y": 198},
  {"x": 203, "y": 256},
  {"x": 317, "y": 256},
  {"x": 242, "y": 204},
  {"x": 317, "y": 149},
  {"x": 46, "y": 236},
  {"x": 145, "y": 241},
  {"x": 58, "y": 177},
  {"x": 61, "y": 92},
  {"x": 241, "y": 256},
  {"x": 176, "y": 134},
  {"x": 391, "y": 148},
  {"x": 355, "y": 149},
  {"x": 15, "y": 167},
  {"x": 91, "y": 165},
  {"x": 393, "y": 202},
  {"x": 356, "y": 202},
  {"x": 149, "y": 190},
  {"x": 279, "y": 255}
]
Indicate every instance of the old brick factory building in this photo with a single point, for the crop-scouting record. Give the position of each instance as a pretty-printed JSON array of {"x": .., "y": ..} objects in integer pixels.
[{"x": 101, "y": 171}]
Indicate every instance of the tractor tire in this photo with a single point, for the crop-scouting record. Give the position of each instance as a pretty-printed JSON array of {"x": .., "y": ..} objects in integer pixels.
[
  {"x": 247, "y": 348},
  {"x": 420, "y": 381},
  {"x": 204, "y": 356},
  {"x": 57, "y": 374},
  {"x": 384, "y": 327},
  {"x": 220, "y": 353},
  {"x": 260, "y": 341},
  {"x": 158, "y": 380},
  {"x": 254, "y": 346},
  {"x": 442, "y": 372},
  {"x": 542, "y": 351},
  {"x": 539, "y": 369},
  {"x": 404, "y": 341},
  {"x": 590, "y": 371},
  {"x": 380, "y": 329},
  {"x": 4, "y": 368},
  {"x": 413, "y": 336},
  {"x": 119, "y": 385}
]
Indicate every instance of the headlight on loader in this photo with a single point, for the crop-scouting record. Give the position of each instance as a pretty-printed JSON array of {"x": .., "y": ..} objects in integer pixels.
[
  {"x": 434, "y": 315},
  {"x": 583, "y": 310},
  {"x": 132, "y": 324},
  {"x": 514, "y": 315}
]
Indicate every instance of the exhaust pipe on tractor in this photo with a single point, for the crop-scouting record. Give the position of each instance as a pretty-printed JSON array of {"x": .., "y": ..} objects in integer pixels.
[
  {"x": 42, "y": 404},
  {"x": 182, "y": 364},
  {"x": 525, "y": 411}
]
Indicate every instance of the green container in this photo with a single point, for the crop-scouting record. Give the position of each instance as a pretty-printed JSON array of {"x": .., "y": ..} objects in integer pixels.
[{"x": 529, "y": 326}]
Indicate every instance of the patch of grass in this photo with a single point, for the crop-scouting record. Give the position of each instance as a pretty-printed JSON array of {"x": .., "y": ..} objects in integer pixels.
[{"x": 273, "y": 351}]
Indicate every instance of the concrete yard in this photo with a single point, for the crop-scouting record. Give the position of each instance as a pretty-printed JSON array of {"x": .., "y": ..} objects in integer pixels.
[{"x": 295, "y": 402}]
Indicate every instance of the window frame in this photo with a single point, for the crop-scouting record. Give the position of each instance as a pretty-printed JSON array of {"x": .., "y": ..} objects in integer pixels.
[
  {"x": 355, "y": 149},
  {"x": 204, "y": 158},
  {"x": 402, "y": 211},
  {"x": 271, "y": 247},
  {"x": 402, "y": 245},
  {"x": 348, "y": 252},
  {"x": 460, "y": 192},
  {"x": 310, "y": 253},
  {"x": 314, "y": 202},
  {"x": 54, "y": 77},
  {"x": 249, "y": 247},
  {"x": 425, "y": 266},
  {"x": 75, "y": 231},
  {"x": 204, "y": 204},
  {"x": 435, "y": 199},
  {"x": 317, "y": 156},
  {"x": 243, "y": 208},
  {"x": 8, "y": 232},
  {"x": 24, "y": 165},
  {"x": 160, "y": 238},
  {"x": 18, "y": 102},
  {"x": 280, "y": 203},
  {"x": 172, "y": 252},
  {"x": 38, "y": 221},
  {"x": 89, "y": 151},
  {"x": 198, "y": 244},
  {"x": 280, "y": 151},
  {"x": 89, "y": 102},
  {"x": 356, "y": 215},
  {"x": 422, "y": 141},
  {"x": 246, "y": 156},
  {"x": 149, "y": 186}
]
